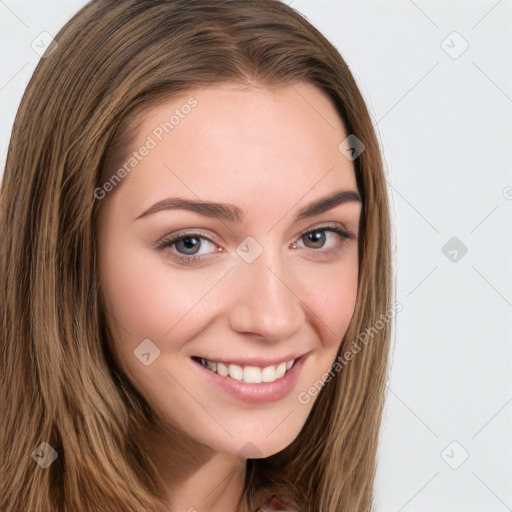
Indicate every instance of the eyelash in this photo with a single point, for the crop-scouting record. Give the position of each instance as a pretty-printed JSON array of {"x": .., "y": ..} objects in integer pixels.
[{"x": 190, "y": 260}]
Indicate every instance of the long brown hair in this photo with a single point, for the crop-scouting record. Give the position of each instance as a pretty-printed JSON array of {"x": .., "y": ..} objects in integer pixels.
[{"x": 61, "y": 386}]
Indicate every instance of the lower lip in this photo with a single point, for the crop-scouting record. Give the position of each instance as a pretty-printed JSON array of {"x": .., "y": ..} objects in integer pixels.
[{"x": 256, "y": 393}]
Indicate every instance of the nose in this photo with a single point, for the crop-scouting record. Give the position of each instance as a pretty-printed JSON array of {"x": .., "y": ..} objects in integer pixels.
[{"x": 264, "y": 301}]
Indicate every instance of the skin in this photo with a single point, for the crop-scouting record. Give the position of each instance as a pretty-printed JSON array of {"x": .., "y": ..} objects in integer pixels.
[{"x": 269, "y": 152}]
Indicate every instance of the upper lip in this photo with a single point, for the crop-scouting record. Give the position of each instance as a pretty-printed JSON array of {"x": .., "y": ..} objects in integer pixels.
[{"x": 254, "y": 361}]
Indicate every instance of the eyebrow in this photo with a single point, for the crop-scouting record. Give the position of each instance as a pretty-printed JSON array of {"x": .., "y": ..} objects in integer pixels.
[{"x": 232, "y": 213}]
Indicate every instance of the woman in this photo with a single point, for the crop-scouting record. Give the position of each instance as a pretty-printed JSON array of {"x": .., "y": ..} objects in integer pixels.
[{"x": 195, "y": 232}]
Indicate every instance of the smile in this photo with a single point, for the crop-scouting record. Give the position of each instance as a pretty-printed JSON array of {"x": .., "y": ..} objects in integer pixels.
[
  {"x": 254, "y": 381},
  {"x": 247, "y": 373}
]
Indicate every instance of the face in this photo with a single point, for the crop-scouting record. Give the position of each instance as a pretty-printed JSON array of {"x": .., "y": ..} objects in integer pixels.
[{"x": 223, "y": 314}]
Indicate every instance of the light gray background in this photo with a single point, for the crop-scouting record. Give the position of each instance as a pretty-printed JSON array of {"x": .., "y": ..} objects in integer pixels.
[{"x": 445, "y": 124}]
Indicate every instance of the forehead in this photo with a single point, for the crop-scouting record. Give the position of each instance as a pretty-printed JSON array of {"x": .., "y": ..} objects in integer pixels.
[{"x": 230, "y": 141}]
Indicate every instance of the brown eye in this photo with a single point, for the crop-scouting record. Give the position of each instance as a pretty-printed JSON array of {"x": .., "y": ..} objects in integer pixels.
[{"x": 317, "y": 239}]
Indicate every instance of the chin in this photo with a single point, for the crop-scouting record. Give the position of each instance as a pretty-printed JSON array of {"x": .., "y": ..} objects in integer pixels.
[{"x": 271, "y": 437}]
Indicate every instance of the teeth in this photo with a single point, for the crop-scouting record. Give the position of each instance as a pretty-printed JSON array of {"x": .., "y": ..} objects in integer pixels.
[
  {"x": 236, "y": 372},
  {"x": 268, "y": 374},
  {"x": 249, "y": 374},
  {"x": 222, "y": 369},
  {"x": 280, "y": 370}
]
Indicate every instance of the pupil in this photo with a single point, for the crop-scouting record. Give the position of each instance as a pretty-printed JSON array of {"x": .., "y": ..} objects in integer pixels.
[
  {"x": 317, "y": 237},
  {"x": 189, "y": 243}
]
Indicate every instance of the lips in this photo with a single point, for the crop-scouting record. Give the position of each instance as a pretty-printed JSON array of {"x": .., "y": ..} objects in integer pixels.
[{"x": 251, "y": 392}]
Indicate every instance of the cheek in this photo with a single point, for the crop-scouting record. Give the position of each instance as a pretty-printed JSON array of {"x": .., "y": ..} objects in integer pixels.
[
  {"x": 330, "y": 295},
  {"x": 145, "y": 300},
  {"x": 145, "y": 297},
  {"x": 331, "y": 305}
]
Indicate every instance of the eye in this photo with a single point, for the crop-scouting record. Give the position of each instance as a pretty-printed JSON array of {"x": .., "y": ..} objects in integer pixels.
[
  {"x": 317, "y": 237},
  {"x": 188, "y": 246}
]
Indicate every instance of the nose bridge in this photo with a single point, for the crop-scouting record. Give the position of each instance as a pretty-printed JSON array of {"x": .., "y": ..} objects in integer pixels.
[{"x": 264, "y": 302}]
